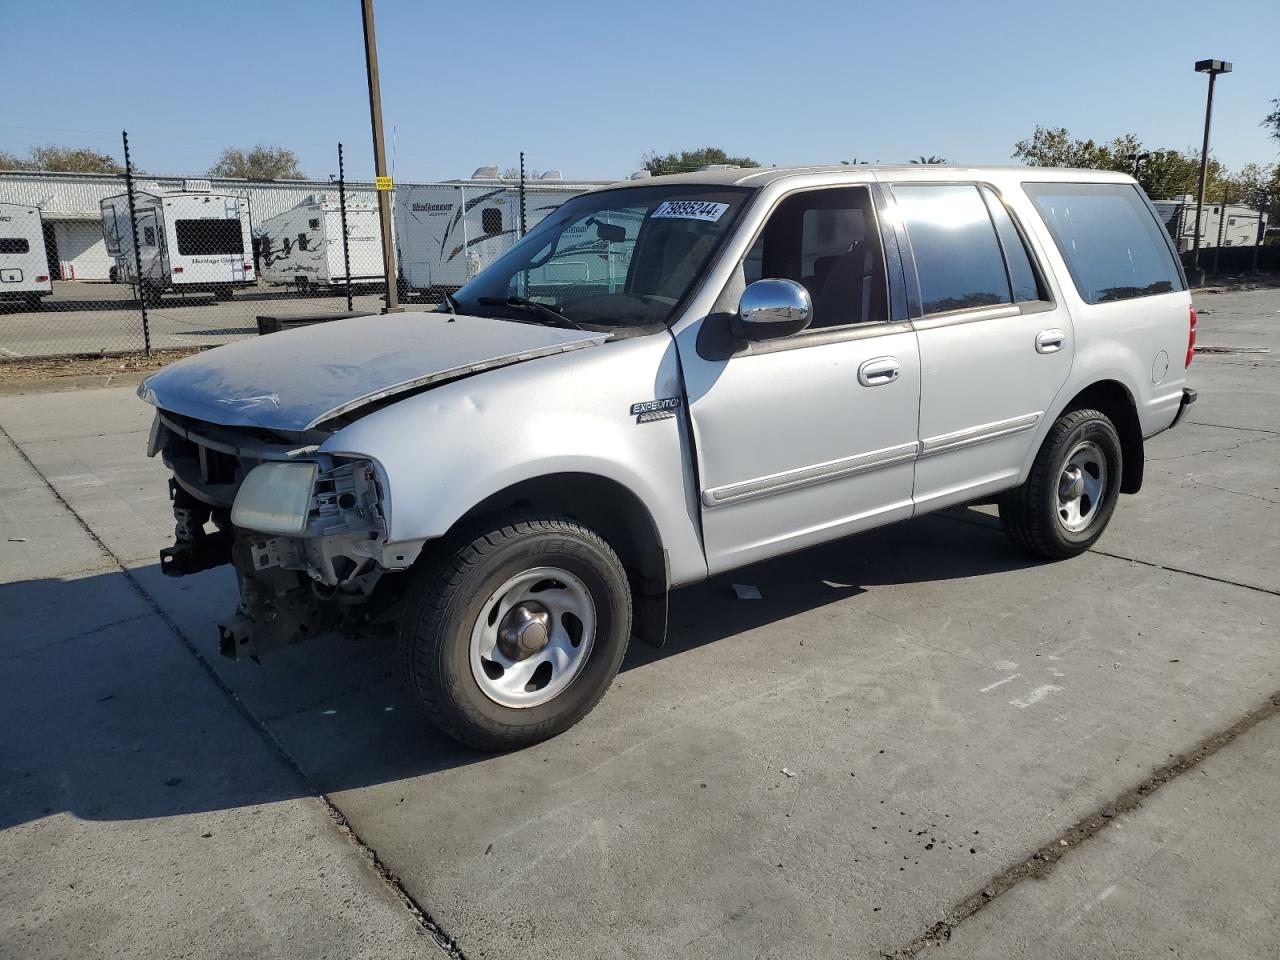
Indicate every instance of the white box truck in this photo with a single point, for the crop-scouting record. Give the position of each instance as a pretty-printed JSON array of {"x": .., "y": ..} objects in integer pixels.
[
  {"x": 24, "y": 265},
  {"x": 1244, "y": 226},
  {"x": 303, "y": 246},
  {"x": 448, "y": 232},
  {"x": 189, "y": 240}
]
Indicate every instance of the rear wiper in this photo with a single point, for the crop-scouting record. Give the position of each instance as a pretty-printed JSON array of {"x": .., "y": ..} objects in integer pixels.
[{"x": 556, "y": 318}]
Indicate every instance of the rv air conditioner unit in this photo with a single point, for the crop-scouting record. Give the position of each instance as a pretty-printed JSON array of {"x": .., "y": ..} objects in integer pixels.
[
  {"x": 641, "y": 175},
  {"x": 485, "y": 173},
  {"x": 551, "y": 175},
  {"x": 196, "y": 186}
]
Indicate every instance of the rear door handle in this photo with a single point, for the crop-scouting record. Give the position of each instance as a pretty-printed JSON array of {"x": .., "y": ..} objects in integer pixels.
[
  {"x": 1050, "y": 341},
  {"x": 879, "y": 371}
]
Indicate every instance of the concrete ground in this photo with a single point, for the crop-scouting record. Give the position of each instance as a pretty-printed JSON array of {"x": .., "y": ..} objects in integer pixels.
[
  {"x": 943, "y": 709},
  {"x": 88, "y": 317}
]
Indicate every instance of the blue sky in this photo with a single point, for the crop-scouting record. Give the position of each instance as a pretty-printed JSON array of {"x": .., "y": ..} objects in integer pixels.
[{"x": 589, "y": 88}]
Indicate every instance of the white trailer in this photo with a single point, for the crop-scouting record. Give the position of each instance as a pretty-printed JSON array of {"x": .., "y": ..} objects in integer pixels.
[
  {"x": 448, "y": 232},
  {"x": 188, "y": 240},
  {"x": 303, "y": 246},
  {"x": 1243, "y": 226},
  {"x": 24, "y": 265}
]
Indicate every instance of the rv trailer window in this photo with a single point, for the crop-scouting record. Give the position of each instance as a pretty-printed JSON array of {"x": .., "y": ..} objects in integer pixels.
[
  {"x": 14, "y": 245},
  {"x": 209, "y": 237},
  {"x": 313, "y": 224},
  {"x": 148, "y": 236},
  {"x": 491, "y": 220}
]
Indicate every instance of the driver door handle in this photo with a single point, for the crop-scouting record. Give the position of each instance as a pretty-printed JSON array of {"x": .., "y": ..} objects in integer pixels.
[
  {"x": 1050, "y": 341},
  {"x": 879, "y": 371}
]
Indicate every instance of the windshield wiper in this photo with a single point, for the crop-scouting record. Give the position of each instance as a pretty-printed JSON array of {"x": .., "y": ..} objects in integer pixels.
[
  {"x": 556, "y": 318},
  {"x": 449, "y": 302}
]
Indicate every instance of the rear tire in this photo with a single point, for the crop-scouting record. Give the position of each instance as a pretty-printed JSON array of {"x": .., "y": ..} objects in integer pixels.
[
  {"x": 1068, "y": 499},
  {"x": 470, "y": 654},
  {"x": 222, "y": 293},
  {"x": 150, "y": 294}
]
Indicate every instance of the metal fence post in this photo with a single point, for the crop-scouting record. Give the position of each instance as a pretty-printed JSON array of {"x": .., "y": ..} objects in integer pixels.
[
  {"x": 1222, "y": 220},
  {"x": 342, "y": 206},
  {"x": 137, "y": 253},
  {"x": 521, "y": 193},
  {"x": 1260, "y": 235}
]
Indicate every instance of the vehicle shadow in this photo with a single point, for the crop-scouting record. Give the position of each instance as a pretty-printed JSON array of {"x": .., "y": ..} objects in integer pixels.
[{"x": 110, "y": 716}]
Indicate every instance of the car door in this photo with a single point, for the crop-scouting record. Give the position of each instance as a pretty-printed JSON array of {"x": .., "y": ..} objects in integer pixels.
[
  {"x": 995, "y": 345},
  {"x": 812, "y": 436}
]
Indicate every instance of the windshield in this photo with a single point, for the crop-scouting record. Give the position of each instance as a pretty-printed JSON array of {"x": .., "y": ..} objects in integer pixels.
[{"x": 610, "y": 258}]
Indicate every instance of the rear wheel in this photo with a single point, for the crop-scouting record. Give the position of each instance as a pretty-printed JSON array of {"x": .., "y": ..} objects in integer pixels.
[
  {"x": 516, "y": 635},
  {"x": 222, "y": 293},
  {"x": 34, "y": 302},
  {"x": 1068, "y": 499},
  {"x": 150, "y": 294}
]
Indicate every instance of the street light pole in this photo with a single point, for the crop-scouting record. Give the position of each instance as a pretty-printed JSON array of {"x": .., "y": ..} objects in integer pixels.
[
  {"x": 1212, "y": 68},
  {"x": 380, "y": 158}
]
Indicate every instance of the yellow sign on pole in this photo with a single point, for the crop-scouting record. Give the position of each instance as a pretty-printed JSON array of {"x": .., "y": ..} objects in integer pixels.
[{"x": 383, "y": 183}]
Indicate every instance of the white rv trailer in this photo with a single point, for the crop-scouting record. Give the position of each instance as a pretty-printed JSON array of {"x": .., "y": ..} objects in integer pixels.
[
  {"x": 1244, "y": 226},
  {"x": 448, "y": 232},
  {"x": 24, "y": 265},
  {"x": 189, "y": 240},
  {"x": 303, "y": 246}
]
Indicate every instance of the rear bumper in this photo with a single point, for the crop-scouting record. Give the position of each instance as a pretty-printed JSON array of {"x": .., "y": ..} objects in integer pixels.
[{"x": 1188, "y": 398}]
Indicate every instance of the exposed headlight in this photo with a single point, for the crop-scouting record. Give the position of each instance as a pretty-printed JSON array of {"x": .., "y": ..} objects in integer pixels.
[{"x": 275, "y": 498}]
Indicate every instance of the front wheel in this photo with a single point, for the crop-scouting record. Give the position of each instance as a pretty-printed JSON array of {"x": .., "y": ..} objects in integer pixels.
[
  {"x": 515, "y": 636},
  {"x": 1068, "y": 499}
]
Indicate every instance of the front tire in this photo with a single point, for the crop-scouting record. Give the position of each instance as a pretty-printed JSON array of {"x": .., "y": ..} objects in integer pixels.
[
  {"x": 515, "y": 636},
  {"x": 1068, "y": 499}
]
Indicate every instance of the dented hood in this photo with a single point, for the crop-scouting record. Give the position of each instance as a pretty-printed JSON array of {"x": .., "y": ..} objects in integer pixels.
[{"x": 297, "y": 379}]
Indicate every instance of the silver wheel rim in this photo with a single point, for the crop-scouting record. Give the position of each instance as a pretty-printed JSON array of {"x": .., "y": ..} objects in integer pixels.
[
  {"x": 1082, "y": 486},
  {"x": 533, "y": 637}
]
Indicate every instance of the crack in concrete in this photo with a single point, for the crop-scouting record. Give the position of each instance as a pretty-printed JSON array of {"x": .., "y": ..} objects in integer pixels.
[
  {"x": 1042, "y": 861},
  {"x": 1223, "y": 426},
  {"x": 336, "y": 816},
  {"x": 77, "y": 636},
  {"x": 1196, "y": 453}
]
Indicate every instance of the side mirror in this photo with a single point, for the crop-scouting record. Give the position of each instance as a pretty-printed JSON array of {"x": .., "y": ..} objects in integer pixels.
[{"x": 770, "y": 309}]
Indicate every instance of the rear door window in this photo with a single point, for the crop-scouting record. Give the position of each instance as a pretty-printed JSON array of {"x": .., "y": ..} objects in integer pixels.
[
  {"x": 1022, "y": 276},
  {"x": 209, "y": 237},
  {"x": 1114, "y": 248},
  {"x": 14, "y": 245},
  {"x": 958, "y": 257}
]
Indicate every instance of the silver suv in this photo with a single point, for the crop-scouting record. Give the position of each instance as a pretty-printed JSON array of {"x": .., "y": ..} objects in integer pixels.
[{"x": 663, "y": 381}]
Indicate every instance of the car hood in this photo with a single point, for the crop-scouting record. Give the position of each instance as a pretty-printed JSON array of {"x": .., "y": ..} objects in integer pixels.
[{"x": 297, "y": 379}]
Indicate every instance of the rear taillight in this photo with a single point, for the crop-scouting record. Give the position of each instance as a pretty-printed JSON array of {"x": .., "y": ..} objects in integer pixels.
[
  {"x": 177, "y": 269},
  {"x": 248, "y": 266},
  {"x": 1191, "y": 337},
  {"x": 41, "y": 279}
]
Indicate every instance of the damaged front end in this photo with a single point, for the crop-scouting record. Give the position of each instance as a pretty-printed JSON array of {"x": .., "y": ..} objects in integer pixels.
[{"x": 306, "y": 531}]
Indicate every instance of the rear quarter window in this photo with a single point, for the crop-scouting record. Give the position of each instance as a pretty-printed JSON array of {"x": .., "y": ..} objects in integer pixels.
[{"x": 1113, "y": 247}]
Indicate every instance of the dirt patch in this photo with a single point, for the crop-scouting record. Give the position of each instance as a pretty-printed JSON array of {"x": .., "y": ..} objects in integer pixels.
[{"x": 37, "y": 374}]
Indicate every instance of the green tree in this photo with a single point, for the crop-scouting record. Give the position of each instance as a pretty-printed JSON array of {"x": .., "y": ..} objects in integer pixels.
[
  {"x": 1054, "y": 147},
  {"x": 261, "y": 162},
  {"x": 62, "y": 160},
  {"x": 687, "y": 160},
  {"x": 1272, "y": 119},
  {"x": 929, "y": 159}
]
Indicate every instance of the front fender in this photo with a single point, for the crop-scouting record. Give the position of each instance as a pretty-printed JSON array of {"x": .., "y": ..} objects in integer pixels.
[{"x": 443, "y": 451}]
